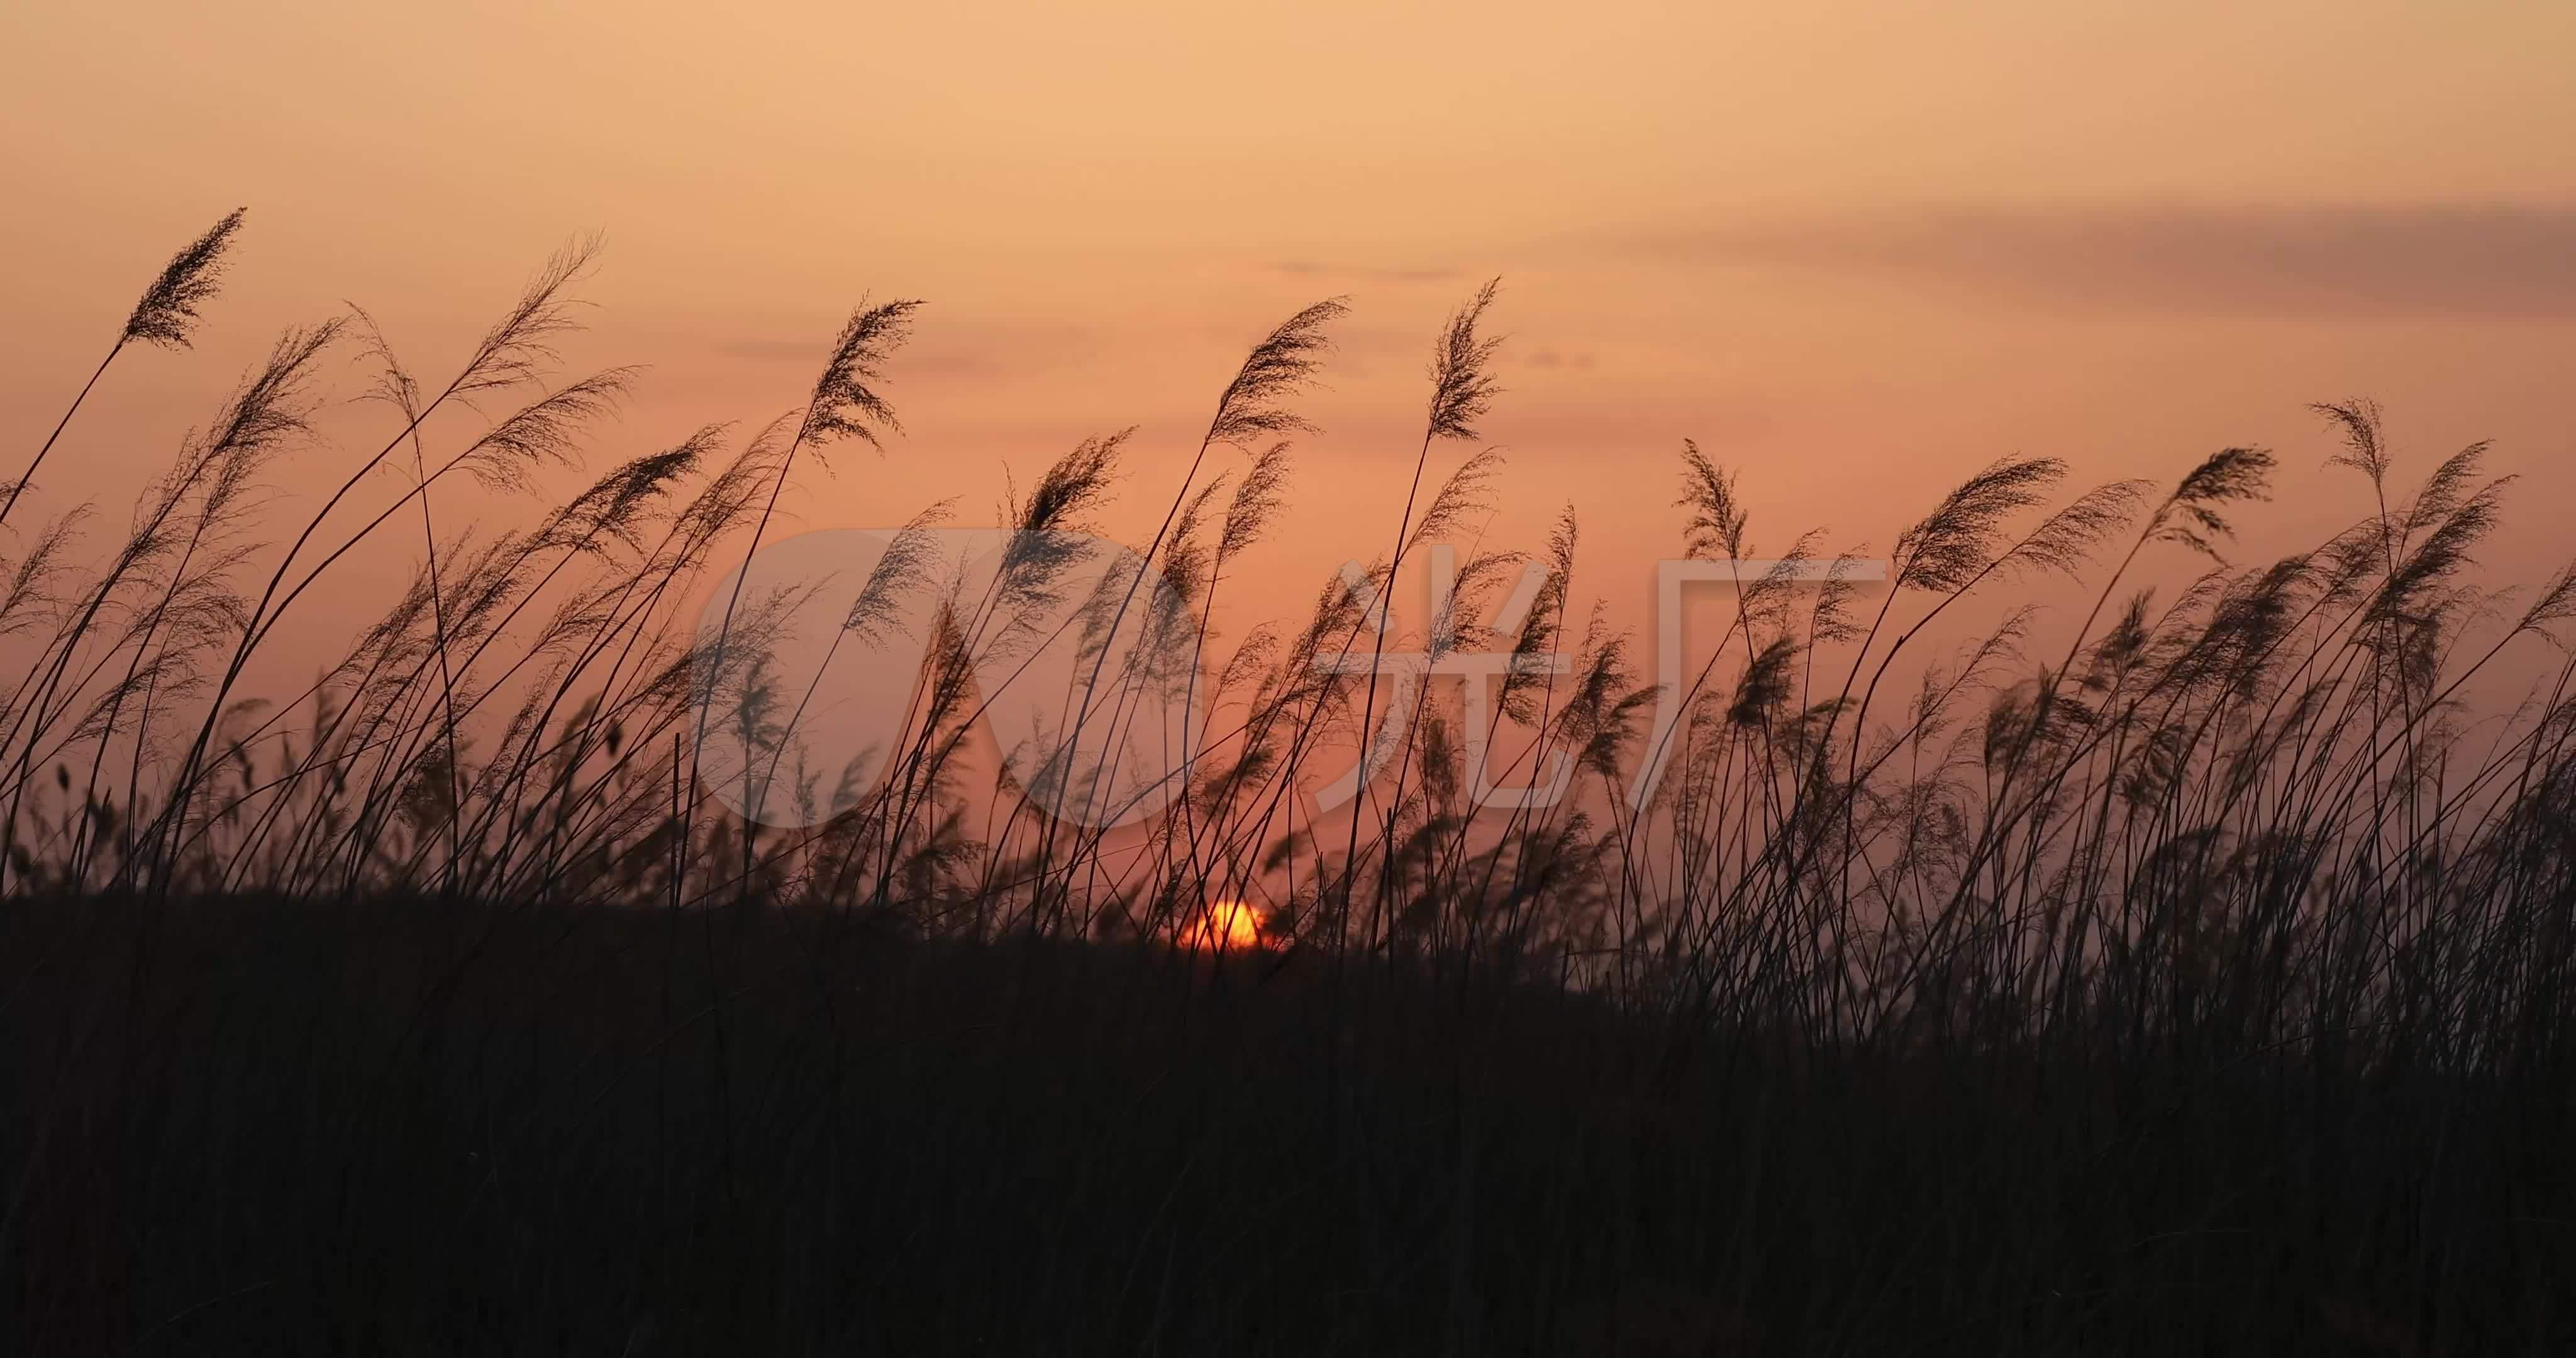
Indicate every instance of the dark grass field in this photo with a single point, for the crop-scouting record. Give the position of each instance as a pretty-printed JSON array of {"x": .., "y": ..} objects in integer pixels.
[
  {"x": 410, "y": 1126},
  {"x": 2194, "y": 979}
]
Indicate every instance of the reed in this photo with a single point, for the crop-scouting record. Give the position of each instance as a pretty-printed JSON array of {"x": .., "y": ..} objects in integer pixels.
[{"x": 2239, "y": 869}]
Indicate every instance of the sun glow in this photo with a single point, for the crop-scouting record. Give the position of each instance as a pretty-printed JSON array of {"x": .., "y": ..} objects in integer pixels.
[{"x": 1224, "y": 926}]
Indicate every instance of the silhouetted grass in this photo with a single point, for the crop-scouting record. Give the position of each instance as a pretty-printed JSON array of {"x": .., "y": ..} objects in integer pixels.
[
  {"x": 2203, "y": 987},
  {"x": 414, "y": 1125}
]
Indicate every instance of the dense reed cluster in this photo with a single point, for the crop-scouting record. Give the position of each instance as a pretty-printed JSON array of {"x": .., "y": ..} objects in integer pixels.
[{"x": 2246, "y": 825}]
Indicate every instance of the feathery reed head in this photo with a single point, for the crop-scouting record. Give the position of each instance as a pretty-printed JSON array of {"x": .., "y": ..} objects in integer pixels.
[
  {"x": 1950, "y": 547},
  {"x": 906, "y": 565},
  {"x": 845, "y": 403},
  {"x": 1717, "y": 517},
  {"x": 2359, "y": 422},
  {"x": 1462, "y": 389},
  {"x": 1277, "y": 367},
  {"x": 168, "y": 308},
  {"x": 545, "y": 431},
  {"x": 1257, "y": 499},
  {"x": 2191, "y": 516},
  {"x": 519, "y": 348},
  {"x": 1467, "y": 493}
]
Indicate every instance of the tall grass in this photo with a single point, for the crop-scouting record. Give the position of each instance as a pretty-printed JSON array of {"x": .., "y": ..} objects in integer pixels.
[{"x": 2236, "y": 852}]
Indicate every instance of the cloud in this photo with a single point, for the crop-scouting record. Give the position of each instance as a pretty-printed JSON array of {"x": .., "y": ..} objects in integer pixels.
[
  {"x": 780, "y": 350},
  {"x": 1357, "y": 273},
  {"x": 948, "y": 346},
  {"x": 2319, "y": 262},
  {"x": 916, "y": 360}
]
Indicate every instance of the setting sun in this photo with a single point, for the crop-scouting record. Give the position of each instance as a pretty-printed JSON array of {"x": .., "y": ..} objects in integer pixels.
[{"x": 1224, "y": 926}]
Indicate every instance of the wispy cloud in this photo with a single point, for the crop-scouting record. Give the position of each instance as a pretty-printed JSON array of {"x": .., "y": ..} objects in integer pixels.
[
  {"x": 2320, "y": 261},
  {"x": 966, "y": 347},
  {"x": 780, "y": 350},
  {"x": 1362, "y": 273}
]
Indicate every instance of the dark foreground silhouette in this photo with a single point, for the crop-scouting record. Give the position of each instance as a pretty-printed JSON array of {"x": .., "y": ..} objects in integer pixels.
[
  {"x": 2199, "y": 980},
  {"x": 429, "y": 1127}
]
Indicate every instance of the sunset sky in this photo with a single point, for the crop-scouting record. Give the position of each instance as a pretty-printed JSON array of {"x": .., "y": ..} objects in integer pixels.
[{"x": 1855, "y": 250}]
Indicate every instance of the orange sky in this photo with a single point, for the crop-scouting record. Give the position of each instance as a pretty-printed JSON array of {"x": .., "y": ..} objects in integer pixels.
[{"x": 1855, "y": 250}]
